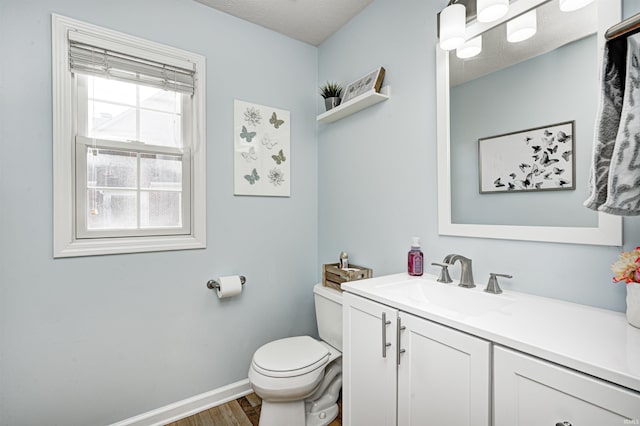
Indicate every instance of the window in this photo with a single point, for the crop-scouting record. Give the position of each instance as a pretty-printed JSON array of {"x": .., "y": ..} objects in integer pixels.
[
  {"x": 132, "y": 168},
  {"x": 129, "y": 154}
]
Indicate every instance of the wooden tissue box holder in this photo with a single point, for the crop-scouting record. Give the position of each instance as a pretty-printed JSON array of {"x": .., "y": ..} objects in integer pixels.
[{"x": 333, "y": 276}]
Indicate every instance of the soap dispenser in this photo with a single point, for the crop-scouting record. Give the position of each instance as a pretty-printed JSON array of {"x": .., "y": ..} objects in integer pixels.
[{"x": 416, "y": 258}]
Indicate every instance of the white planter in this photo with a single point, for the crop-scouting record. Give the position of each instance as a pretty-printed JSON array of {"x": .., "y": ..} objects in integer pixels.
[{"x": 633, "y": 304}]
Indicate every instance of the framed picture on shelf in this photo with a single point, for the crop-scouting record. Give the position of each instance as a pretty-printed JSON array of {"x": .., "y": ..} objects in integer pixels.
[
  {"x": 372, "y": 80},
  {"x": 538, "y": 159}
]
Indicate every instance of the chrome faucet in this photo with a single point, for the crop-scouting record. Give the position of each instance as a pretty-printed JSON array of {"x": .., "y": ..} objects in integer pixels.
[{"x": 466, "y": 273}]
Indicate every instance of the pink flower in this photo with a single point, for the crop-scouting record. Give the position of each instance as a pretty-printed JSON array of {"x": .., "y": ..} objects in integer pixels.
[{"x": 627, "y": 267}]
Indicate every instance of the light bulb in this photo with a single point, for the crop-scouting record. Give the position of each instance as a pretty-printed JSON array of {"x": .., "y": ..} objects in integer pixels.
[
  {"x": 522, "y": 27},
  {"x": 453, "y": 21},
  {"x": 491, "y": 10},
  {"x": 470, "y": 49}
]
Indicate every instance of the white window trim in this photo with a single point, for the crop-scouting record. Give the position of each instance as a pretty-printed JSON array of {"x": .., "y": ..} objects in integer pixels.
[{"x": 65, "y": 243}]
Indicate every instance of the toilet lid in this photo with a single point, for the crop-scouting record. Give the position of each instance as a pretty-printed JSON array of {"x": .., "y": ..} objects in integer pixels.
[{"x": 293, "y": 356}]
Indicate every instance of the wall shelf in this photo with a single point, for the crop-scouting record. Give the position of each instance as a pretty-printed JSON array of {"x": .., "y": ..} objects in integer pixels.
[{"x": 354, "y": 105}]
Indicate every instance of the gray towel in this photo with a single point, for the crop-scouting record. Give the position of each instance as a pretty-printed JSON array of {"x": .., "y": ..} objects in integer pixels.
[
  {"x": 615, "y": 173},
  {"x": 608, "y": 121}
]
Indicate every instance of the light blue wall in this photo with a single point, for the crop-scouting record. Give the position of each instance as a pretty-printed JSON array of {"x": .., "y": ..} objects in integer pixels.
[
  {"x": 90, "y": 341},
  {"x": 559, "y": 86},
  {"x": 376, "y": 173},
  {"x": 377, "y": 170}
]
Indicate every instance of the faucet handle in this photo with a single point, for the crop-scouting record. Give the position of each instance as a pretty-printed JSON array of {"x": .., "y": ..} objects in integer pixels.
[
  {"x": 444, "y": 273},
  {"x": 492, "y": 285}
]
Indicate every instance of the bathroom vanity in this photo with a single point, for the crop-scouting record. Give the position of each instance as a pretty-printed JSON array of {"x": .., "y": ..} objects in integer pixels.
[{"x": 420, "y": 352}]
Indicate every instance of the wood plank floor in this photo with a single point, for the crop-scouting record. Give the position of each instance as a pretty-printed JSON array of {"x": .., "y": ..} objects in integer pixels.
[{"x": 243, "y": 411}]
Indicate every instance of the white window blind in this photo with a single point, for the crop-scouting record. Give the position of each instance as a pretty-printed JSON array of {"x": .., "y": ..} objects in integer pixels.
[{"x": 88, "y": 57}]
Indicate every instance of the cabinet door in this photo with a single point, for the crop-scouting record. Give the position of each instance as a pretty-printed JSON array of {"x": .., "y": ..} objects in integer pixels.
[
  {"x": 443, "y": 376},
  {"x": 532, "y": 392},
  {"x": 369, "y": 376}
]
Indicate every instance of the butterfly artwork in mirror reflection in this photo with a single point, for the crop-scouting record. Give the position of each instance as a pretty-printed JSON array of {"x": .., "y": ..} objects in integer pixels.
[
  {"x": 262, "y": 150},
  {"x": 537, "y": 159}
]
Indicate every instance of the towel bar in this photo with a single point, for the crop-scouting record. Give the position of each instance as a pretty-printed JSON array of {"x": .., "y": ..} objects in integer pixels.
[{"x": 625, "y": 27}]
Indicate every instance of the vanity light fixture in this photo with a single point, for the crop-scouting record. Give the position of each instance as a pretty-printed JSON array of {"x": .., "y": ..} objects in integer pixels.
[
  {"x": 571, "y": 5},
  {"x": 491, "y": 10},
  {"x": 453, "y": 22},
  {"x": 522, "y": 27},
  {"x": 470, "y": 49}
]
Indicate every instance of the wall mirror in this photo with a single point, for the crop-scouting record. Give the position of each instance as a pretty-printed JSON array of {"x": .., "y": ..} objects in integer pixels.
[{"x": 510, "y": 88}]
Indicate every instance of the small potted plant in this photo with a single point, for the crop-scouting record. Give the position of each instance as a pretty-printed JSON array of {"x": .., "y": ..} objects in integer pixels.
[{"x": 331, "y": 92}]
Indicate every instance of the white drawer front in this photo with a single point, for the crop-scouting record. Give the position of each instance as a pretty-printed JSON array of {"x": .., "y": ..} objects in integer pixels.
[{"x": 532, "y": 392}]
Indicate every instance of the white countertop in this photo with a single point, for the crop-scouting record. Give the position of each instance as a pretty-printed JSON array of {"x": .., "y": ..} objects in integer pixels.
[{"x": 594, "y": 341}]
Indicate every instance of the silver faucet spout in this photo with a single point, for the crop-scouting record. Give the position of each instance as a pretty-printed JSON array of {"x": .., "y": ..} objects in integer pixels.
[{"x": 466, "y": 271}]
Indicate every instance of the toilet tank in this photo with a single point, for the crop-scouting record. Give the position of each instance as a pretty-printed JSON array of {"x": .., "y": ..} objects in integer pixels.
[{"x": 329, "y": 314}]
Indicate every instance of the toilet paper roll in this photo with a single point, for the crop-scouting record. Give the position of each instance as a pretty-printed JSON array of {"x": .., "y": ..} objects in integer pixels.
[{"x": 229, "y": 286}]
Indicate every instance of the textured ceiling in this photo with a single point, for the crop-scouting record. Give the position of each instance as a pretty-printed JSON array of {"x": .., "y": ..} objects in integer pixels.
[{"x": 311, "y": 21}]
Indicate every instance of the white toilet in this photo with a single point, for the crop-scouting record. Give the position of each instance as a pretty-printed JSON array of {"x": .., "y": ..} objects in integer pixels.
[{"x": 299, "y": 378}]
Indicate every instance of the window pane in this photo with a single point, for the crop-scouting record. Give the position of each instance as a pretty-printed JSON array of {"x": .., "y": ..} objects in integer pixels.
[
  {"x": 105, "y": 89},
  {"x": 111, "y": 121},
  {"x": 160, "y": 128},
  {"x": 109, "y": 209},
  {"x": 163, "y": 100},
  {"x": 160, "y": 171},
  {"x": 160, "y": 209},
  {"x": 111, "y": 168}
]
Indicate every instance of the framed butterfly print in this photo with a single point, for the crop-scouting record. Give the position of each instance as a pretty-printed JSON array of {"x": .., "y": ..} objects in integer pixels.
[
  {"x": 262, "y": 150},
  {"x": 372, "y": 80},
  {"x": 538, "y": 159}
]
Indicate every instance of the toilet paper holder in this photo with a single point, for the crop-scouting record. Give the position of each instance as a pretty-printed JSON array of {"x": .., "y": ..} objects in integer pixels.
[{"x": 215, "y": 285}]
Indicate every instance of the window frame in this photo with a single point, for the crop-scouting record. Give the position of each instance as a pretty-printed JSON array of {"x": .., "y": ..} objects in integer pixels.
[{"x": 67, "y": 241}]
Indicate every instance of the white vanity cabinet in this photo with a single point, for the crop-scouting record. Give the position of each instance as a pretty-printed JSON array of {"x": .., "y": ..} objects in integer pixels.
[
  {"x": 368, "y": 374},
  {"x": 532, "y": 392},
  {"x": 443, "y": 375},
  {"x": 456, "y": 356},
  {"x": 405, "y": 370}
]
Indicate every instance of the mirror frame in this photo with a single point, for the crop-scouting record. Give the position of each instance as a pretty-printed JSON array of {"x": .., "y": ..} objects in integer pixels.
[{"x": 609, "y": 229}]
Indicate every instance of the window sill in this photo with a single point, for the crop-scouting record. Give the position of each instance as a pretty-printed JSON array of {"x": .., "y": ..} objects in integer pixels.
[{"x": 93, "y": 247}]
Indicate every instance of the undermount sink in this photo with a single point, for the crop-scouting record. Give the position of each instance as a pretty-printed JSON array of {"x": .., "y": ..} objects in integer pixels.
[{"x": 426, "y": 291}]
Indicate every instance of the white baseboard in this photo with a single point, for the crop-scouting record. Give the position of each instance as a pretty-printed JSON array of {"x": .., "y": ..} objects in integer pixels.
[{"x": 187, "y": 407}]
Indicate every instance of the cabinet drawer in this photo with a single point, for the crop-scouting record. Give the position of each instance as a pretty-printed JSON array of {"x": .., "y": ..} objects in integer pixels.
[{"x": 532, "y": 392}]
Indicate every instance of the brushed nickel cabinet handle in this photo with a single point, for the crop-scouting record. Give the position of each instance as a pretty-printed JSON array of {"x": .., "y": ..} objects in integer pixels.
[
  {"x": 400, "y": 328},
  {"x": 385, "y": 345}
]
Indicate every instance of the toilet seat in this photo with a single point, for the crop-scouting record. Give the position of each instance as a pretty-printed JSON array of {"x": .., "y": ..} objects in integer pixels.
[{"x": 290, "y": 357}]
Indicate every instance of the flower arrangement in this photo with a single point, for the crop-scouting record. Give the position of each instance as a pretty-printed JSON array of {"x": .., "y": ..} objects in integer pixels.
[{"x": 627, "y": 267}]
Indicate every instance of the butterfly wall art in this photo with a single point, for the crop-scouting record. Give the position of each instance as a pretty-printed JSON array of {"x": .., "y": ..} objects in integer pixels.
[
  {"x": 538, "y": 159},
  {"x": 262, "y": 150}
]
